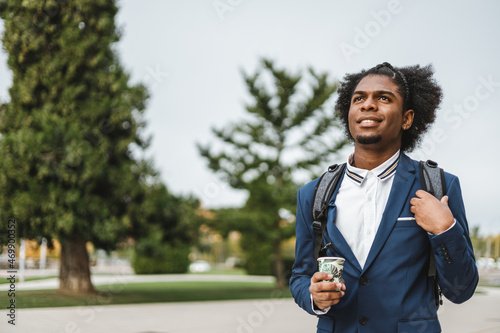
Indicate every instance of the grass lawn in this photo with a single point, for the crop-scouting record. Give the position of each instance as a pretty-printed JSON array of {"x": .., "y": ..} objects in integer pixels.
[{"x": 153, "y": 293}]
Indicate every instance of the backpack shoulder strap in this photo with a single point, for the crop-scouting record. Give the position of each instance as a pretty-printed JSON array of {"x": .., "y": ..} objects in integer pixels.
[
  {"x": 322, "y": 194},
  {"x": 432, "y": 178},
  {"x": 433, "y": 182}
]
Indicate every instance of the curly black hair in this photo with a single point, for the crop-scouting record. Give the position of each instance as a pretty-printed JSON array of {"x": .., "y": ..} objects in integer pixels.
[{"x": 416, "y": 84}]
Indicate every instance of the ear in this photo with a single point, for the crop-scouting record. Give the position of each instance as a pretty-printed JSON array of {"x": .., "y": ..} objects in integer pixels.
[{"x": 407, "y": 119}]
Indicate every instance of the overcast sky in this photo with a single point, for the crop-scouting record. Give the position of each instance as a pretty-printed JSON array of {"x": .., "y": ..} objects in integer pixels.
[{"x": 190, "y": 54}]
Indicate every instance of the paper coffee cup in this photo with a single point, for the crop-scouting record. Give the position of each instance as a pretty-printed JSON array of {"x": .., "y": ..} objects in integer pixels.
[{"x": 332, "y": 265}]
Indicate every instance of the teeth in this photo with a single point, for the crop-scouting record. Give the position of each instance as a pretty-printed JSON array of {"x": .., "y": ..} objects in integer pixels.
[{"x": 368, "y": 121}]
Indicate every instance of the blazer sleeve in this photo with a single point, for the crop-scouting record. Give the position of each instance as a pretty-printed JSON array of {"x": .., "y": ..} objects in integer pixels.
[
  {"x": 304, "y": 266},
  {"x": 457, "y": 272}
]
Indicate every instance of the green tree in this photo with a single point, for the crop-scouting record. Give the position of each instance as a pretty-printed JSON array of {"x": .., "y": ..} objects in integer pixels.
[
  {"x": 70, "y": 130},
  {"x": 290, "y": 130},
  {"x": 168, "y": 227}
]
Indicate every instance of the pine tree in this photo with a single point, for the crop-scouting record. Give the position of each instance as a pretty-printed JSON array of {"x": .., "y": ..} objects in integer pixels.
[
  {"x": 69, "y": 131},
  {"x": 290, "y": 130}
]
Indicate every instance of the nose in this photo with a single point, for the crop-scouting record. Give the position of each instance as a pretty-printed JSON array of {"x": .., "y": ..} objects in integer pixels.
[{"x": 368, "y": 104}]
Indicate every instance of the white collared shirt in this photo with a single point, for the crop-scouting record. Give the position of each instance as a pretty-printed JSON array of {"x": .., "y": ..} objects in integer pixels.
[{"x": 361, "y": 201}]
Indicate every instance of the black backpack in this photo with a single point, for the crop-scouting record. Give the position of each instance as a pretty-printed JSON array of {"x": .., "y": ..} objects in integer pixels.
[{"x": 432, "y": 181}]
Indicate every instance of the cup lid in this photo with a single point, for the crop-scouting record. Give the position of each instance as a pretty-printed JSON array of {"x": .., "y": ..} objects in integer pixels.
[{"x": 330, "y": 258}]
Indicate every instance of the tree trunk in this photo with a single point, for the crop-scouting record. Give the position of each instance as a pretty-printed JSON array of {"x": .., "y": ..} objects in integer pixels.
[
  {"x": 74, "y": 272},
  {"x": 278, "y": 265}
]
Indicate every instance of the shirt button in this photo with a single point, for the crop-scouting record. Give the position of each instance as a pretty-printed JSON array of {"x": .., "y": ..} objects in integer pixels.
[{"x": 363, "y": 320}]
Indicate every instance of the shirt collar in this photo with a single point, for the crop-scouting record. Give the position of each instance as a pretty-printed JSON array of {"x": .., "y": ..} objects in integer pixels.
[{"x": 384, "y": 171}]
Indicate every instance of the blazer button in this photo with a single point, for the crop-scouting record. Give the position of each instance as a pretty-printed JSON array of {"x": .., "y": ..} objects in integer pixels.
[
  {"x": 363, "y": 320},
  {"x": 445, "y": 253},
  {"x": 363, "y": 280}
]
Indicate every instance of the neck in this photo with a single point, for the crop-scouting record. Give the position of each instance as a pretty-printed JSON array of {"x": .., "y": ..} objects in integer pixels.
[{"x": 369, "y": 159}]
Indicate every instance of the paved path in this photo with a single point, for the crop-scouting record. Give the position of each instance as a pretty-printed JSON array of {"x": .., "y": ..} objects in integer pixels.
[{"x": 481, "y": 314}]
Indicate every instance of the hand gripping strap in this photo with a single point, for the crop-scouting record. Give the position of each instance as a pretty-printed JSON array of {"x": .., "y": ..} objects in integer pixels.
[
  {"x": 322, "y": 194},
  {"x": 433, "y": 182}
]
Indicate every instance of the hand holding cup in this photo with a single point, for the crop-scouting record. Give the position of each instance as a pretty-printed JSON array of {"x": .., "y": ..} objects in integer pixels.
[{"x": 327, "y": 285}]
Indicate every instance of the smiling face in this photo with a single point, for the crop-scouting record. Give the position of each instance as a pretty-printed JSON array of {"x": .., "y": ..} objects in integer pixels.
[{"x": 376, "y": 117}]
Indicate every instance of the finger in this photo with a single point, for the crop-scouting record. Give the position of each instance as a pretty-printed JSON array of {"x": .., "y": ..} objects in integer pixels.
[
  {"x": 328, "y": 287},
  {"x": 328, "y": 296},
  {"x": 422, "y": 194},
  {"x": 321, "y": 286},
  {"x": 336, "y": 286},
  {"x": 319, "y": 276},
  {"x": 445, "y": 200},
  {"x": 323, "y": 300}
]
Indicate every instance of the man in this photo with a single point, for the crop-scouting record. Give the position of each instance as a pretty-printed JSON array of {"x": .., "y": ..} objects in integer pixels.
[{"x": 379, "y": 218}]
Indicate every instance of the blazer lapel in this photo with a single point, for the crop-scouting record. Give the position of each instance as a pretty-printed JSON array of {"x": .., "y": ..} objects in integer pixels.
[{"x": 403, "y": 181}]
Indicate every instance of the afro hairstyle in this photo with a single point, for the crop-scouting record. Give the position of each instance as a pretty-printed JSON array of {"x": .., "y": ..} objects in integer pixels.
[{"x": 416, "y": 84}]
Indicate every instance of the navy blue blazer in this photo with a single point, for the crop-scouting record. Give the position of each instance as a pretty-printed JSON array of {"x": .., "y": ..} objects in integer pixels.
[{"x": 392, "y": 292}]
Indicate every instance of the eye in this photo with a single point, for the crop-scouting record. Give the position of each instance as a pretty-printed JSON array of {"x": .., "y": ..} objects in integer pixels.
[
  {"x": 357, "y": 99},
  {"x": 385, "y": 98}
]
